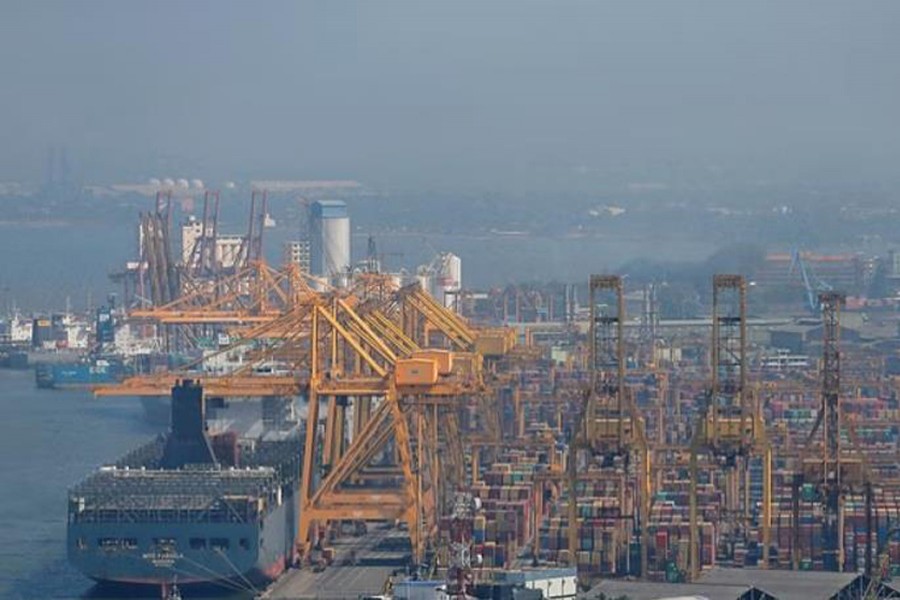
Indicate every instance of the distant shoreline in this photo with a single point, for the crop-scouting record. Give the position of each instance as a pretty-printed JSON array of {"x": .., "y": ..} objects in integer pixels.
[{"x": 48, "y": 223}]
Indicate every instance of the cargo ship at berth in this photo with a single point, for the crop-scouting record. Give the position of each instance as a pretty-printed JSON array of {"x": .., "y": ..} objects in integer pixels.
[
  {"x": 206, "y": 502},
  {"x": 83, "y": 374}
]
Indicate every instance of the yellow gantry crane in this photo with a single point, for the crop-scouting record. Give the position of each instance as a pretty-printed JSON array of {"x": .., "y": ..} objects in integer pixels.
[
  {"x": 391, "y": 402},
  {"x": 256, "y": 293},
  {"x": 396, "y": 403},
  {"x": 729, "y": 428},
  {"x": 609, "y": 429},
  {"x": 837, "y": 472}
]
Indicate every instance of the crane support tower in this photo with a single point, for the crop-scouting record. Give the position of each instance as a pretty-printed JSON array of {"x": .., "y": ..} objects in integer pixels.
[
  {"x": 609, "y": 428},
  {"x": 729, "y": 429},
  {"x": 831, "y": 407},
  {"x": 836, "y": 473},
  {"x": 460, "y": 577}
]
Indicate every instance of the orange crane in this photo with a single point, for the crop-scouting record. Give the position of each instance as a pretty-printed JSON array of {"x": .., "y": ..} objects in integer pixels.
[
  {"x": 405, "y": 399},
  {"x": 371, "y": 368},
  {"x": 256, "y": 293}
]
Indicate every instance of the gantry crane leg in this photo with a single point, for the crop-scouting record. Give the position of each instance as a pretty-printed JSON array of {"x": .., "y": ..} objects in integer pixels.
[
  {"x": 644, "y": 499},
  {"x": 694, "y": 545},
  {"x": 303, "y": 544},
  {"x": 767, "y": 504}
]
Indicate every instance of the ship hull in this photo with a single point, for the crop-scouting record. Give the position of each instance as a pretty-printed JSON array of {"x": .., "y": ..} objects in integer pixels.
[
  {"x": 190, "y": 507},
  {"x": 127, "y": 553},
  {"x": 77, "y": 376}
]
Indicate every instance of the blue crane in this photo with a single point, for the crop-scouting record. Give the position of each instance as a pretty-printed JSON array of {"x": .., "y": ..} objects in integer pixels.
[{"x": 812, "y": 284}]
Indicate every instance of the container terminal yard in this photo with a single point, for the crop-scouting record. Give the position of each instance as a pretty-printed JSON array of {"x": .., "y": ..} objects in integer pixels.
[
  {"x": 445, "y": 456},
  {"x": 452, "y": 300}
]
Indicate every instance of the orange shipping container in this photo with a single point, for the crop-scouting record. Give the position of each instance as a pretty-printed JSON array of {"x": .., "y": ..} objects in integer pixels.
[
  {"x": 416, "y": 371},
  {"x": 443, "y": 358}
]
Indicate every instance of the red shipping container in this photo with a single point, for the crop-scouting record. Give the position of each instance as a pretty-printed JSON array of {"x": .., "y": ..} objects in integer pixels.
[{"x": 662, "y": 542}]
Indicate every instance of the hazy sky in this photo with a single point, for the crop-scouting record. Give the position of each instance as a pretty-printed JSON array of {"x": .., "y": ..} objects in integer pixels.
[{"x": 498, "y": 95}]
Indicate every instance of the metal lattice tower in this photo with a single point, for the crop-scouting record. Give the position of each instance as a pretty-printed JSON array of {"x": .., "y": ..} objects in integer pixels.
[
  {"x": 459, "y": 569},
  {"x": 609, "y": 427},
  {"x": 729, "y": 428},
  {"x": 650, "y": 321},
  {"x": 729, "y": 351},
  {"x": 607, "y": 345},
  {"x": 831, "y": 303}
]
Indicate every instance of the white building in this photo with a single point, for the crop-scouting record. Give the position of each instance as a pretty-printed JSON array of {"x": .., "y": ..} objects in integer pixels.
[
  {"x": 297, "y": 253},
  {"x": 227, "y": 247}
]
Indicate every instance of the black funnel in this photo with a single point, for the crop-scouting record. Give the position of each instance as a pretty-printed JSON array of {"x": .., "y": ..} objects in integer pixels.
[{"x": 187, "y": 444}]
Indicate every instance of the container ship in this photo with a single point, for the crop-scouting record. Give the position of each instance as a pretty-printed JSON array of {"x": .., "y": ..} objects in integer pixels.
[{"x": 207, "y": 502}]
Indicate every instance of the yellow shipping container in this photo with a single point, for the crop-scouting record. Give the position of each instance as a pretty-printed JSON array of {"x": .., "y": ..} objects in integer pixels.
[
  {"x": 416, "y": 371},
  {"x": 443, "y": 358}
]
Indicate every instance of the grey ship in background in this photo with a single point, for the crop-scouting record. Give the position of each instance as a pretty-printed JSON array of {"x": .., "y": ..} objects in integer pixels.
[{"x": 203, "y": 503}]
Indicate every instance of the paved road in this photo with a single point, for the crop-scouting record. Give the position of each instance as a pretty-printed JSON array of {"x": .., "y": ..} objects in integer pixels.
[{"x": 379, "y": 554}]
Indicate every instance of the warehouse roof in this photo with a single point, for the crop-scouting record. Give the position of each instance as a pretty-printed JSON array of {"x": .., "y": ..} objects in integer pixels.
[
  {"x": 750, "y": 584},
  {"x": 799, "y": 585},
  {"x": 645, "y": 590}
]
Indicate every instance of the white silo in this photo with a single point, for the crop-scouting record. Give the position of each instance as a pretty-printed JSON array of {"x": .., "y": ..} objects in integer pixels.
[
  {"x": 449, "y": 280},
  {"x": 329, "y": 225}
]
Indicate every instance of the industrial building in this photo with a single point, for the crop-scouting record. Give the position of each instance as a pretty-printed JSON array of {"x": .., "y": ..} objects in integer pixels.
[
  {"x": 751, "y": 584},
  {"x": 297, "y": 252},
  {"x": 227, "y": 248},
  {"x": 847, "y": 272}
]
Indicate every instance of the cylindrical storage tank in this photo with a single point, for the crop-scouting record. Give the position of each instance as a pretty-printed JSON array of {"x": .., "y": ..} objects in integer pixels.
[
  {"x": 451, "y": 279},
  {"x": 330, "y": 243},
  {"x": 454, "y": 268},
  {"x": 336, "y": 245}
]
